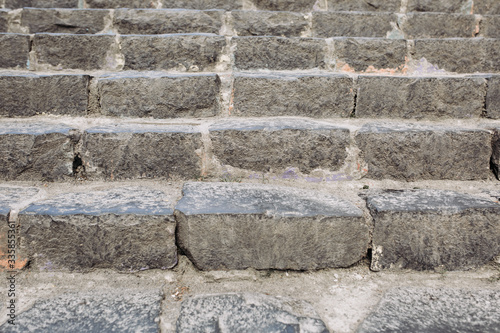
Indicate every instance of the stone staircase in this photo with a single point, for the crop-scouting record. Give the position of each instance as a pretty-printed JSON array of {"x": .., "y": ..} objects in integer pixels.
[{"x": 277, "y": 166}]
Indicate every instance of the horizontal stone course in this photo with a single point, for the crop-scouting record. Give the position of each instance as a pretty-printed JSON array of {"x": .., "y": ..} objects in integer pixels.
[
  {"x": 14, "y": 50},
  {"x": 120, "y": 3},
  {"x": 42, "y": 3},
  {"x": 447, "y": 6},
  {"x": 352, "y": 24},
  {"x": 269, "y": 23},
  {"x": 364, "y": 5},
  {"x": 281, "y": 5},
  {"x": 203, "y": 4},
  {"x": 73, "y": 21},
  {"x": 438, "y": 25}
]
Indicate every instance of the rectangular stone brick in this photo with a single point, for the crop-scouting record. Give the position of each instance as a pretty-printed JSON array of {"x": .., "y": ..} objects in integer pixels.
[
  {"x": 491, "y": 7},
  {"x": 352, "y": 24},
  {"x": 160, "y": 96},
  {"x": 41, "y": 3},
  {"x": 4, "y": 20},
  {"x": 493, "y": 98},
  {"x": 490, "y": 26},
  {"x": 446, "y": 6},
  {"x": 25, "y": 95},
  {"x": 121, "y": 3},
  {"x": 203, "y": 4},
  {"x": 420, "y": 97},
  {"x": 317, "y": 96},
  {"x": 267, "y": 23},
  {"x": 14, "y": 50},
  {"x": 285, "y": 5},
  {"x": 416, "y": 152},
  {"x": 364, "y": 5},
  {"x": 72, "y": 21},
  {"x": 495, "y": 157},
  {"x": 439, "y": 25}
]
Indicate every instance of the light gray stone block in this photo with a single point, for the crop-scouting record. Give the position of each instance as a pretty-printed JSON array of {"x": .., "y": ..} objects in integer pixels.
[
  {"x": 72, "y": 21},
  {"x": 364, "y": 5},
  {"x": 490, "y": 26},
  {"x": 446, "y": 6},
  {"x": 120, "y": 4},
  {"x": 41, "y": 3},
  {"x": 269, "y": 23},
  {"x": 352, "y": 24},
  {"x": 491, "y": 7},
  {"x": 439, "y": 25},
  {"x": 203, "y": 4}
]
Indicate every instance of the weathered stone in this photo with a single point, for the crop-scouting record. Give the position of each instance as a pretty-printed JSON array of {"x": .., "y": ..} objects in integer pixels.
[
  {"x": 121, "y": 3},
  {"x": 491, "y": 7},
  {"x": 92, "y": 311},
  {"x": 439, "y": 25},
  {"x": 435, "y": 310},
  {"x": 236, "y": 226},
  {"x": 265, "y": 144},
  {"x": 25, "y": 95},
  {"x": 364, "y": 5},
  {"x": 42, "y": 3},
  {"x": 413, "y": 152},
  {"x": 493, "y": 98},
  {"x": 279, "y": 53},
  {"x": 349, "y": 24},
  {"x": 203, "y": 4},
  {"x": 420, "y": 97},
  {"x": 318, "y": 96},
  {"x": 447, "y": 6},
  {"x": 155, "y": 21},
  {"x": 263, "y": 23},
  {"x": 490, "y": 26},
  {"x": 282, "y": 5},
  {"x": 495, "y": 157},
  {"x": 14, "y": 50},
  {"x": 4, "y": 21},
  {"x": 73, "y": 21},
  {"x": 184, "y": 52},
  {"x": 36, "y": 151},
  {"x": 142, "y": 151},
  {"x": 244, "y": 312},
  {"x": 159, "y": 96}
]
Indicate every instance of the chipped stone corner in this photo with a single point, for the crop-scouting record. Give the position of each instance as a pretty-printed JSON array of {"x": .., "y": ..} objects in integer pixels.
[
  {"x": 225, "y": 60},
  {"x": 320, "y": 6},
  {"x": 227, "y": 28},
  {"x": 14, "y": 21},
  {"x": 115, "y": 60}
]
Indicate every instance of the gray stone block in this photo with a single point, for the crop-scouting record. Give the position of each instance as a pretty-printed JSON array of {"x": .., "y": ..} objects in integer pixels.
[
  {"x": 490, "y": 26},
  {"x": 4, "y": 20},
  {"x": 159, "y": 96},
  {"x": 42, "y": 3},
  {"x": 446, "y": 6},
  {"x": 142, "y": 151},
  {"x": 184, "y": 52},
  {"x": 164, "y": 21},
  {"x": 203, "y": 4},
  {"x": 14, "y": 50},
  {"x": 279, "y": 53},
  {"x": 244, "y": 312},
  {"x": 120, "y": 3},
  {"x": 439, "y": 25},
  {"x": 283, "y": 5},
  {"x": 420, "y": 97},
  {"x": 236, "y": 226},
  {"x": 73, "y": 21},
  {"x": 352, "y": 24},
  {"x": 276, "y": 144},
  {"x": 26, "y": 95},
  {"x": 364, "y": 5},
  {"x": 495, "y": 157},
  {"x": 317, "y": 96},
  {"x": 493, "y": 98},
  {"x": 264, "y": 23},
  {"x": 36, "y": 151},
  {"x": 491, "y": 7},
  {"x": 416, "y": 152}
]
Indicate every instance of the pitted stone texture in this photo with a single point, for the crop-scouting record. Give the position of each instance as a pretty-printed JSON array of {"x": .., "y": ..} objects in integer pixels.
[
  {"x": 25, "y": 95},
  {"x": 446, "y": 6},
  {"x": 164, "y": 21},
  {"x": 191, "y": 52},
  {"x": 427, "y": 229},
  {"x": 263, "y": 23},
  {"x": 203, "y": 4},
  {"x": 159, "y": 96},
  {"x": 41, "y": 3},
  {"x": 14, "y": 50},
  {"x": 420, "y": 97},
  {"x": 95, "y": 311},
  {"x": 416, "y": 152},
  {"x": 4, "y": 20},
  {"x": 120, "y": 3},
  {"x": 348, "y": 24},
  {"x": 491, "y": 7},
  {"x": 439, "y": 25},
  {"x": 236, "y": 226},
  {"x": 495, "y": 157},
  {"x": 36, "y": 151},
  {"x": 73, "y": 21},
  {"x": 265, "y": 144},
  {"x": 279, "y": 53},
  {"x": 493, "y": 98},
  {"x": 131, "y": 151},
  {"x": 244, "y": 312},
  {"x": 317, "y": 96},
  {"x": 282, "y": 5},
  {"x": 490, "y": 26},
  {"x": 364, "y": 5},
  {"x": 129, "y": 229}
]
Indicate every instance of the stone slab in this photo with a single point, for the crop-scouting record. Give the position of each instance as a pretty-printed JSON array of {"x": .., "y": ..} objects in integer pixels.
[
  {"x": 41, "y": 3},
  {"x": 244, "y": 312},
  {"x": 416, "y": 152},
  {"x": 495, "y": 157},
  {"x": 352, "y": 24},
  {"x": 14, "y": 50},
  {"x": 72, "y": 21},
  {"x": 439, "y": 25},
  {"x": 4, "y": 20},
  {"x": 364, "y": 5},
  {"x": 491, "y": 7},
  {"x": 445, "y": 6},
  {"x": 269, "y": 23},
  {"x": 203, "y": 4},
  {"x": 120, "y": 3},
  {"x": 490, "y": 26},
  {"x": 493, "y": 98},
  {"x": 284, "y": 5}
]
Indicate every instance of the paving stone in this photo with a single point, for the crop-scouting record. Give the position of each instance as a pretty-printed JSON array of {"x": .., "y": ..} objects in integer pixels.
[
  {"x": 352, "y": 24},
  {"x": 318, "y": 96},
  {"x": 279, "y": 53},
  {"x": 364, "y": 5},
  {"x": 14, "y": 49},
  {"x": 236, "y": 226},
  {"x": 183, "y": 51},
  {"x": 416, "y": 152},
  {"x": 491, "y": 7},
  {"x": 495, "y": 157},
  {"x": 26, "y": 95},
  {"x": 266, "y": 23},
  {"x": 282, "y": 5},
  {"x": 493, "y": 98},
  {"x": 490, "y": 26},
  {"x": 164, "y": 21},
  {"x": 264, "y": 144},
  {"x": 42, "y": 3},
  {"x": 244, "y": 312},
  {"x": 203, "y": 4},
  {"x": 446, "y": 6},
  {"x": 435, "y": 310},
  {"x": 439, "y": 25},
  {"x": 92, "y": 311},
  {"x": 141, "y": 151},
  {"x": 121, "y": 3},
  {"x": 159, "y": 96},
  {"x": 73, "y": 21},
  {"x": 4, "y": 21},
  {"x": 36, "y": 151},
  {"x": 420, "y": 97}
]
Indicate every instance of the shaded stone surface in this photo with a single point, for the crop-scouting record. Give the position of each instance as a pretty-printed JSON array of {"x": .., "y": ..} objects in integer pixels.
[
  {"x": 491, "y": 7},
  {"x": 349, "y": 24},
  {"x": 203, "y": 4},
  {"x": 490, "y": 26},
  {"x": 281, "y": 5},
  {"x": 427, "y": 229},
  {"x": 41, "y": 3},
  {"x": 4, "y": 21},
  {"x": 364, "y": 5},
  {"x": 439, "y": 25},
  {"x": 269, "y": 23},
  {"x": 493, "y": 98},
  {"x": 14, "y": 49},
  {"x": 245, "y": 312},
  {"x": 236, "y": 226},
  {"x": 73, "y": 21},
  {"x": 495, "y": 157},
  {"x": 447, "y": 6},
  {"x": 120, "y": 4}
]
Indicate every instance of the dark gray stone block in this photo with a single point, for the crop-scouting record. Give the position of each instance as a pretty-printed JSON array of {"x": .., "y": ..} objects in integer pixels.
[
  {"x": 416, "y": 152},
  {"x": 493, "y": 98},
  {"x": 495, "y": 157},
  {"x": 73, "y": 21},
  {"x": 265, "y": 144},
  {"x": 4, "y": 20},
  {"x": 264, "y": 23},
  {"x": 244, "y": 312},
  {"x": 364, "y": 5},
  {"x": 120, "y": 4},
  {"x": 203, "y": 4},
  {"x": 490, "y": 26},
  {"x": 283, "y": 5},
  {"x": 41, "y": 3},
  {"x": 236, "y": 226},
  {"x": 420, "y": 97},
  {"x": 491, "y": 7},
  {"x": 14, "y": 50},
  {"x": 352, "y": 24},
  {"x": 439, "y": 25},
  {"x": 446, "y": 6},
  {"x": 25, "y": 95},
  {"x": 317, "y": 96}
]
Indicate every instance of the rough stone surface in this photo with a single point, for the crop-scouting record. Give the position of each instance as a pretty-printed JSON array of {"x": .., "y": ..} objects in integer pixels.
[
  {"x": 490, "y": 26},
  {"x": 282, "y": 5},
  {"x": 439, "y": 25},
  {"x": 41, "y": 3},
  {"x": 25, "y": 95},
  {"x": 142, "y": 151},
  {"x": 491, "y": 7},
  {"x": 236, "y": 226},
  {"x": 73, "y": 21},
  {"x": 364, "y": 5},
  {"x": 417, "y": 152},
  {"x": 120, "y": 3},
  {"x": 14, "y": 50},
  {"x": 265, "y": 144},
  {"x": 263, "y": 23},
  {"x": 97, "y": 311},
  {"x": 36, "y": 151},
  {"x": 243, "y": 312},
  {"x": 203, "y": 4},
  {"x": 160, "y": 96},
  {"x": 420, "y": 97},
  {"x": 155, "y": 21},
  {"x": 495, "y": 157},
  {"x": 447, "y": 6},
  {"x": 348, "y": 24},
  {"x": 4, "y": 24},
  {"x": 185, "y": 52},
  {"x": 493, "y": 98},
  {"x": 317, "y": 96}
]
